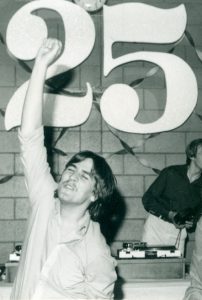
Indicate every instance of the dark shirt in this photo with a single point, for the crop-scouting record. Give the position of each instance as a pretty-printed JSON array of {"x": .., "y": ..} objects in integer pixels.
[{"x": 172, "y": 191}]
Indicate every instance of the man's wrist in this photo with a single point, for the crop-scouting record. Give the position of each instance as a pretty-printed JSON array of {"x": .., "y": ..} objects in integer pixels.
[{"x": 40, "y": 65}]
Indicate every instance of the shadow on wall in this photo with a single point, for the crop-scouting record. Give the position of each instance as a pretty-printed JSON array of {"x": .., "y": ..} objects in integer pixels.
[{"x": 114, "y": 217}]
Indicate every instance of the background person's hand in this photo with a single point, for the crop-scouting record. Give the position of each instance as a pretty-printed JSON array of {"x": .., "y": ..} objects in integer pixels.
[
  {"x": 171, "y": 217},
  {"x": 189, "y": 224},
  {"x": 49, "y": 51}
]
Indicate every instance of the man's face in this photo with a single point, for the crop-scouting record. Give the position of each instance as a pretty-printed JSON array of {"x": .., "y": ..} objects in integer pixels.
[
  {"x": 198, "y": 158},
  {"x": 77, "y": 183}
]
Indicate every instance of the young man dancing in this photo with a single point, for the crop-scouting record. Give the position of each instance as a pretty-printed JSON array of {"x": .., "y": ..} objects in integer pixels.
[{"x": 65, "y": 255}]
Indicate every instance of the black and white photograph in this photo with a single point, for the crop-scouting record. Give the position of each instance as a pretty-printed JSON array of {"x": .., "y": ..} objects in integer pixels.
[{"x": 100, "y": 150}]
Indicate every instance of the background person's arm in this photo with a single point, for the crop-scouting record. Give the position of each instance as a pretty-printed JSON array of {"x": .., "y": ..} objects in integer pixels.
[{"x": 154, "y": 201}]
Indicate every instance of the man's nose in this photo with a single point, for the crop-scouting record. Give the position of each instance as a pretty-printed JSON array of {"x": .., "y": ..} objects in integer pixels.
[{"x": 74, "y": 176}]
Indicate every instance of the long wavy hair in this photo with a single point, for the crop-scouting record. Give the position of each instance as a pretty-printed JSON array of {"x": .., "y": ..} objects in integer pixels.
[{"x": 105, "y": 184}]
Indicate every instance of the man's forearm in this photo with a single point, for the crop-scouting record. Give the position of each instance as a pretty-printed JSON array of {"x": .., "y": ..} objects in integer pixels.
[
  {"x": 33, "y": 105},
  {"x": 155, "y": 205}
]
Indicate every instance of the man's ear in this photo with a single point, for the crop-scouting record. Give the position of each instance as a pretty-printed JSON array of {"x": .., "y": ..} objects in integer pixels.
[
  {"x": 93, "y": 197},
  {"x": 192, "y": 157}
]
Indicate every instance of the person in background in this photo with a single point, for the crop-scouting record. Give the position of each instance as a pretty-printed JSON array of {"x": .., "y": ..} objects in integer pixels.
[
  {"x": 64, "y": 255},
  {"x": 194, "y": 291},
  {"x": 174, "y": 201}
]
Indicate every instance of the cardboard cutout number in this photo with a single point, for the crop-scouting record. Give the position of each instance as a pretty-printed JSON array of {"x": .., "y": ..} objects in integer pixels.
[
  {"x": 135, "y": 22},
  {"x": 79, "y": 41},
  {"x": 128, "y": 22}
]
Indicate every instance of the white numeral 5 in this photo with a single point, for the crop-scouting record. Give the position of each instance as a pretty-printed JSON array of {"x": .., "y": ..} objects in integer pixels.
[{"x": 135, "y": 22}]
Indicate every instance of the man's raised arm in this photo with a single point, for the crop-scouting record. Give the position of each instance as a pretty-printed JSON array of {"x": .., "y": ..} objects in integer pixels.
[{"x": 33, "y": 105}]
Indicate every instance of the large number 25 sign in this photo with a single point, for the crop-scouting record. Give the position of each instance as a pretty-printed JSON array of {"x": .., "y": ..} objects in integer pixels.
[{"x": 119, "y": 104}]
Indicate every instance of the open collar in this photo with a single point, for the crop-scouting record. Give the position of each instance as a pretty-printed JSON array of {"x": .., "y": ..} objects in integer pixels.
[{"x": 71, "y": 233}]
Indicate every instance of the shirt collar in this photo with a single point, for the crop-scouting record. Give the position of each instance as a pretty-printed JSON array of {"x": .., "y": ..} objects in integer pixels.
[{"x": 197, "y": 181}]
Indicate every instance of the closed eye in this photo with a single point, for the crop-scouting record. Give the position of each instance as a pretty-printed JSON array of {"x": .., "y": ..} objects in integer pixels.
[
  {"x": 85, "y": 176},
  {"x": 70, "y": 169}
]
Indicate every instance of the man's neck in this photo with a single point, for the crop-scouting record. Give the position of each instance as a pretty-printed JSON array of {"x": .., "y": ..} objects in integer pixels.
[
  {"x": 193, "y": 172},
  {"x": 71, "y": 213}
]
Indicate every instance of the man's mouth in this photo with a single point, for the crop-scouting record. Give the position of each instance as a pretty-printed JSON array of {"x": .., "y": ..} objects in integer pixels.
[{"x": 70, "y": 186}]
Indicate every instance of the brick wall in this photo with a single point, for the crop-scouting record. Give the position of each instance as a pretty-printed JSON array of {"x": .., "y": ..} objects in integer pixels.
[{"x": 133, "y": 178}]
